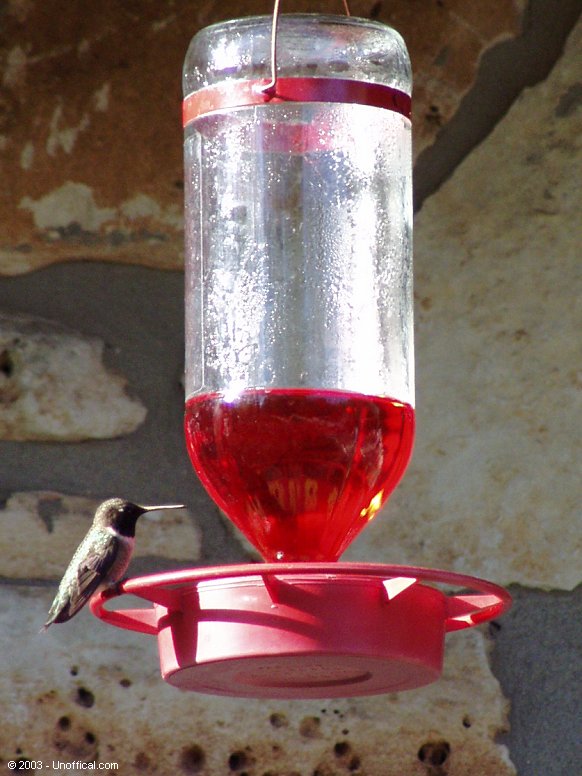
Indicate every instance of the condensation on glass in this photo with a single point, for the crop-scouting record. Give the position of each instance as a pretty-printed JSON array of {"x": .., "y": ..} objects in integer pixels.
[{"x": 298, "y": 216}]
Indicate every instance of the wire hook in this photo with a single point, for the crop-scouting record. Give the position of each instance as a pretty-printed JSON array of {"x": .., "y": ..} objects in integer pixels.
[{"x": 270, "y": 88}]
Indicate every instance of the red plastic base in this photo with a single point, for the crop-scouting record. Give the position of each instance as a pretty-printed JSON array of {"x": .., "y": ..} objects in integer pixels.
[{"x": 302, "y": 630}]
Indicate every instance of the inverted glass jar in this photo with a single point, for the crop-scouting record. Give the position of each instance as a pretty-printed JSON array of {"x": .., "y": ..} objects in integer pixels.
[{"x": 299, "y": 330}]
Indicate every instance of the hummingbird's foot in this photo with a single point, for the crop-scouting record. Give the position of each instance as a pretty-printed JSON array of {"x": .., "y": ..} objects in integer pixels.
[{"x": 115, "y": 589}]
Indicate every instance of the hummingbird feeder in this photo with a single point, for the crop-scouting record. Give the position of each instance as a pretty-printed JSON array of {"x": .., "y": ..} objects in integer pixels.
[{"x": 300, "y": 368}]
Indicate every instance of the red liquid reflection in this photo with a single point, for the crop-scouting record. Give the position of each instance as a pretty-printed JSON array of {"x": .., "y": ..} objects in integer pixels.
[{"x": 299, "y": 472}]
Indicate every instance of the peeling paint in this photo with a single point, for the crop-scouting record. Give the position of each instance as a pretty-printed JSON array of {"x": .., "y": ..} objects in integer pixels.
[
  {"x": 15, "y": 70},
  {"x": 71, "y": 203},
  {"x": 144, "y": 206},
  {"x": 64, "y": 137},
  {"x": 27, "y": 156},
  {"x": 101, "y": 97},
  {"x": 174, "y": 216},
  {"x": 83, "y": 91},
  {"x": 141, "y": 206}
]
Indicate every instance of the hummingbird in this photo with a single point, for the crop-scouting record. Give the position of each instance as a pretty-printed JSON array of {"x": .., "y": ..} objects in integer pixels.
[{"x": 102, "y": 557}]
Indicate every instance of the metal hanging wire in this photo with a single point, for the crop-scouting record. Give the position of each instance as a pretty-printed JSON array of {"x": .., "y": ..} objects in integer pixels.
[{"x": 270, "y": 88}]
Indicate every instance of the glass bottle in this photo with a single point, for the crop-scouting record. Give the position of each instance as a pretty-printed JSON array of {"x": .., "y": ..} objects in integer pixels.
[{"x": 299, "y": 324}]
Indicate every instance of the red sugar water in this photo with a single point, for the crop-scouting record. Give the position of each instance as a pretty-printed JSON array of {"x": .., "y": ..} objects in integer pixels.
[{"x": 299, "y": 471}]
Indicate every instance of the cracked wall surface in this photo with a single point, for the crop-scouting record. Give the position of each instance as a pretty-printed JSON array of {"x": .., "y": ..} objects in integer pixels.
[
  {"x": 90, "y": 137},
  {"x": 91, "y": 391}
]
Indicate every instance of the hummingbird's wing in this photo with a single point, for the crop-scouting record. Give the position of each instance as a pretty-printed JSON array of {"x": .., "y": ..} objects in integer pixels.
[{"x": 87, "y": 574}]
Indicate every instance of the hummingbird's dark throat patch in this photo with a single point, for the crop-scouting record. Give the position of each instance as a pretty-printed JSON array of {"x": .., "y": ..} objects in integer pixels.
[{"x": 125, "y": 525}]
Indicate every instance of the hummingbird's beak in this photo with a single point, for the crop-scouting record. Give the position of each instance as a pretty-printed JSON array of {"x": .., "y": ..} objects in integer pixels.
[{"x": 164, "y": 506}]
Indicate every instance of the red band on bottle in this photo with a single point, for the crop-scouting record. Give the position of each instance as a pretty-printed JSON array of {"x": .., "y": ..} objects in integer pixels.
[{"x": 239, "y": 94}]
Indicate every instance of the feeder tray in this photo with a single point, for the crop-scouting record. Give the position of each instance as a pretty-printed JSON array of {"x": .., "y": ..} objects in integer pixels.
[{"x": 302, "y": 630}]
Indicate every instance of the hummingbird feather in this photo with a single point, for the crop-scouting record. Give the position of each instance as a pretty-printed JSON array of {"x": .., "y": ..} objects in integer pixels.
[{"x": 85, "y": 578}]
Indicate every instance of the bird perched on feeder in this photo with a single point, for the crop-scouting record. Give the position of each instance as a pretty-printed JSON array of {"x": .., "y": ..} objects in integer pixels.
[{"x": 102, "y": 557}]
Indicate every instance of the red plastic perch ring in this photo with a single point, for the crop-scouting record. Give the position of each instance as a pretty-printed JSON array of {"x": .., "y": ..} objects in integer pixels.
[{"x": 302, "y": 630}]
